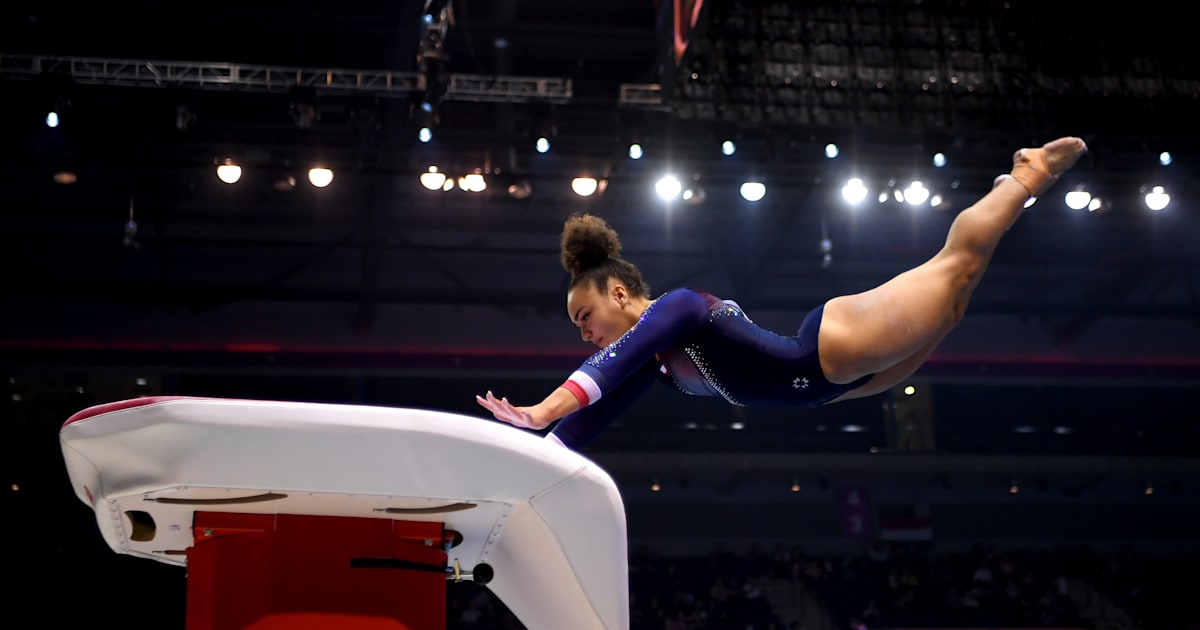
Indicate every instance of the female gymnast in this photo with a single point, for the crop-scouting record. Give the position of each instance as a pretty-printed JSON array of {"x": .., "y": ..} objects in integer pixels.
[{"x": 849, "y": 347}]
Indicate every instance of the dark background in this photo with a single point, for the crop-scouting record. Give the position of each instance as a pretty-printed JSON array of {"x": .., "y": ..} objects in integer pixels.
[{"x": 1074, "y": 373}]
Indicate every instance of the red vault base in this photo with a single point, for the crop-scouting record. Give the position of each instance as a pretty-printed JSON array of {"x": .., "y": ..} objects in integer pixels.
[{"x": 270, "y": 572}]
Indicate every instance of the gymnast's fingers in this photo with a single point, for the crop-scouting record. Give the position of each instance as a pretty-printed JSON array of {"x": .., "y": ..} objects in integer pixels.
[{"x": 491, "y": 405}]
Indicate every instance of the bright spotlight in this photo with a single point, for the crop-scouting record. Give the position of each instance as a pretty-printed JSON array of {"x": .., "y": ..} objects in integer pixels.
[
  {"x": 543, "y": 145},
  {"x": 1077, "y": 199},
  {"x": 668, "y": 187},
  {"x": 472, "y": 182},
  {"x": 229, "y": 172},
  {"x": 1164, "y": 158},
  {"x": 727, "y": 147},
  {"x": 854, "y": 191},
  {"x": 916, "y": 193},
  {"x": 425, "y": 134},
  {"x": 320, "y": 177},
  {"x": 584, "y": 186},
  {"x": 939, "y": 159},
  {"x": 831, "y": 150},
  {"x": 1157, "y": 198},
  {"x": 635, "y": 151},
  {"x": 52, "y": 119},
  {"x": 753, "y": 191},
  {"x": 433, "y": 179}
]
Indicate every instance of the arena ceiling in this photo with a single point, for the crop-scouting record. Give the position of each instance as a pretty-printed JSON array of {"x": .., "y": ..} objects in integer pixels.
[{"x": 376, "y": 272}]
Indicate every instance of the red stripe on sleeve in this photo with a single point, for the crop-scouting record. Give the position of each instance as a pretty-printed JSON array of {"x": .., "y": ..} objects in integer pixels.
[{"x": 575, "y": 389}]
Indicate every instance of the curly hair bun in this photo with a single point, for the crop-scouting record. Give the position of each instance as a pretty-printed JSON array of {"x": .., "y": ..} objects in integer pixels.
[{"x": 587, "y": 241}]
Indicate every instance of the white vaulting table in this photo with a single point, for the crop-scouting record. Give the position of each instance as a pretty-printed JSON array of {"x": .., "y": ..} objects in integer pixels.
[{"x": 548, "y": 522}]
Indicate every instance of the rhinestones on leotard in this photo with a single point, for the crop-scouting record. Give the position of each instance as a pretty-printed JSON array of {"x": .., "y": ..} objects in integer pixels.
[{"x": 702, "y": 366}]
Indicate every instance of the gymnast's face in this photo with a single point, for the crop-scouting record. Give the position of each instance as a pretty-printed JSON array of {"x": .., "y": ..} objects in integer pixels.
[{"x": 602, "y": 316}]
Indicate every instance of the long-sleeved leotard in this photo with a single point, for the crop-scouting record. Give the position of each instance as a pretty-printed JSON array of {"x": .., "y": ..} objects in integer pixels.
[{"x": 703, "y": 346}]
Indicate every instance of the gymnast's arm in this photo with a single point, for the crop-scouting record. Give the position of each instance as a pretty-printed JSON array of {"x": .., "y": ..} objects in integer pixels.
[
  {"x": 582, "y": 426},
  {"x": 676, "y": 314}
]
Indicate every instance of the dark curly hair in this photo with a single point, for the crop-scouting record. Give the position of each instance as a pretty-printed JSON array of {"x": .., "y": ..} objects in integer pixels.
[{"x": 590, "y": 251}]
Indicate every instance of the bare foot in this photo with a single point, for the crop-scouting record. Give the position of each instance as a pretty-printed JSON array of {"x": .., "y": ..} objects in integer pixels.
[{"x": 1037, "y": 169}]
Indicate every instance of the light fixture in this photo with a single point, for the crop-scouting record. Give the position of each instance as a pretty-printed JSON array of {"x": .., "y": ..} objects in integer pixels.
[
  {"x": 635, "y": 151},
  {"x": 1077, "y": 199},
  {"x": 939, "y": 159},
  {"x": 229, "y": 172},
  {"x": 284, "y": 183},
  {"x": 831, "y": 150},
  {"x": 1157, "y": 199},
  {"x": 693, "y": 194},
  {"x": 916, "y": 193},
  {"x": 854, "y": 191},
  {"x": 65, "y": 177},
  {"x": 433, "y": 179},
  {"x": 425, "y": 119},
  {"x": 472, "y": 182},
  {"x": 520, "y": 189},
  {"x": 542, "y": 127},
  {"x": 60, "y": 106},
  {"x": 728, "y": 148},
  {"x": 584, "y": 186},
  {"x": 668, "y": 187},
  {"x": 753, "y": 191},
  {"x": 320, "y": 176}
]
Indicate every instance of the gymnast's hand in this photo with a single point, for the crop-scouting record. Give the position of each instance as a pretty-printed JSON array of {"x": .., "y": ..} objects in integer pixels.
[{"x": 505, "y": 411}]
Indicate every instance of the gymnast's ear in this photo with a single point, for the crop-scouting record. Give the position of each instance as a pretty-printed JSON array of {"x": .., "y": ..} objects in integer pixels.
[{"x": 618, "y": 292}]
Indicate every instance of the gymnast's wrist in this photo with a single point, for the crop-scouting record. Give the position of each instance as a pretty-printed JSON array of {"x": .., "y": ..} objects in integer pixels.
[{"x": 559, "y": 403}]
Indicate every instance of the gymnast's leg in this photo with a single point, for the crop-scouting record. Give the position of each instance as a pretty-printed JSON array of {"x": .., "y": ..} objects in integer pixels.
[{"x": 890, "y": 330}]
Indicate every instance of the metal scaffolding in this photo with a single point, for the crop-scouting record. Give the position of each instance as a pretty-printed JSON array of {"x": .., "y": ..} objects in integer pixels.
[
  {"x": 641, "y": 95},
  {"x": 257, "y": 78}
]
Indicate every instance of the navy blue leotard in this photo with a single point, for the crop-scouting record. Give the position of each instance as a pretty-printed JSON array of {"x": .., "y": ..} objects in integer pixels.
[{"x": 704, "y": 346}]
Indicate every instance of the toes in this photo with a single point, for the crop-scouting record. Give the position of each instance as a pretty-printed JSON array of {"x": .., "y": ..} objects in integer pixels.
[{"x": 1063, "y": 153}]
